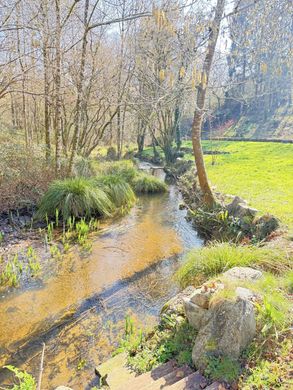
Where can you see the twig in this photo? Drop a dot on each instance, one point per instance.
(41, 368)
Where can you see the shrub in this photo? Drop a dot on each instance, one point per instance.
(209, 261)
(83, 167)
(124, 168)
(147, 184)
(24, 175)
(77, 197)
(118, 190)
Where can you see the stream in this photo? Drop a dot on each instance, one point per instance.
(79, 311)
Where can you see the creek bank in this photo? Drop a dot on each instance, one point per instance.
(219, 329)
(230, 219)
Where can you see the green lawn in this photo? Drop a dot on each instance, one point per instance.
(261, 173)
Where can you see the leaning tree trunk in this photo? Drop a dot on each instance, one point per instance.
(208, 197)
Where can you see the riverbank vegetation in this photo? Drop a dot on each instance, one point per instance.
(266, 362)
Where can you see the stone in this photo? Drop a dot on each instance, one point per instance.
(175, 305)
(196, 315)
(246, 294)
(115, 371)
(201, 296)
(243, 273)
(239, 208)
(231, 326)
(266, 225)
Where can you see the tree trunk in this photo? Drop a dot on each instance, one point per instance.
(78, 106)
(58, 122)
(44, 10)
(208, 197)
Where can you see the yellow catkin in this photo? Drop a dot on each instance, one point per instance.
(182, 72)
(263, 67)
(162, 75)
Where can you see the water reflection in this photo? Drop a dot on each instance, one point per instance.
(129, 270)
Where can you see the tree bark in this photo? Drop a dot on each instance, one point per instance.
(78, 107)
(208, 196)
(58, 121)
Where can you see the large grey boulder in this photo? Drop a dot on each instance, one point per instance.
(239, 208)
(231, 326)
(243, 273)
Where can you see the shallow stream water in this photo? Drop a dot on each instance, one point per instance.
(79, 310)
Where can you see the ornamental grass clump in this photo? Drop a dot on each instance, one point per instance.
(147, 184)
(118, 190)
(125, 169)
(75, 197)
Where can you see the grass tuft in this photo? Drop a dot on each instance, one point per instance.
(118, 190)
(147, 184)
(74, 198)
(202, 264)
(125, 169)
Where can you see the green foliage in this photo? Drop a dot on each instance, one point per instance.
(219, 225)
(123, 168)
(266, 375)
(164, 343)
(202, 264)
(83, 167)
(74, 198)
(15, 267)
(118, 190)
(147, 184)
(25, 380)
(222, 368)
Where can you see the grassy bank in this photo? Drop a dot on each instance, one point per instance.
(259, 172)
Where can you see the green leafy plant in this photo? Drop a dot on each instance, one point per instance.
(147, 184)
(266, 375)
(25, 380)
(222, 368)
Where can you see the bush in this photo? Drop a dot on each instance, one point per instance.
(77, 197)
(24, 175)
(209, 261)
(118, 190)
(124, 168)
(147, 184)
(83, 167)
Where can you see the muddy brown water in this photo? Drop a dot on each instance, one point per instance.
(79, 311)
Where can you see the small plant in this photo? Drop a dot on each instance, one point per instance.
(81, 364)
(11, 274)
(222, 368)
(266, 375)
(25, 380)
(1, 237)
(147, 184)
(82, 230)
(55, 252)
